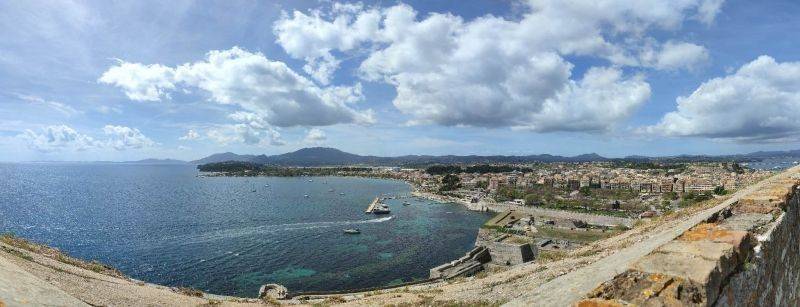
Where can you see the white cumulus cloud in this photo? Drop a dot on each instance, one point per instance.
(141, 82)
(190, 135)
(122, 138)
(496, 72)
(251, 129)
(756, 103)
(58, 137)
(675, 55)
(315, 136)
(249, 80)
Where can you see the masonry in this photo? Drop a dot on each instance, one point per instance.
(745, 254)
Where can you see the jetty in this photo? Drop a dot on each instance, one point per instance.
(374, 204)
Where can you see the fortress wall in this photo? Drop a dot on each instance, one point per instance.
(748, 254)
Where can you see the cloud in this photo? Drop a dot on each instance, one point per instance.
(601, 97)
(55, 105)
(190, 135)
(251, 129)
(58, 137)
(122, 138)
(757, 103)
(106, 109)
(315, 136)
(141, 82)
(312, 38)
(497, 72)
(249, 80)
(675, 55)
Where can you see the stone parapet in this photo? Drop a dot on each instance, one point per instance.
(745, 255)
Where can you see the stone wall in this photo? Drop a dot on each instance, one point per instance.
(504, 252)
(747, 254)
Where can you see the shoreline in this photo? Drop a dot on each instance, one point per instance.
(491, 206)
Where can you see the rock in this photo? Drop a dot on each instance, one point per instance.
(274, 291)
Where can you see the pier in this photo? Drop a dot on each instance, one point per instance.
(372, 205)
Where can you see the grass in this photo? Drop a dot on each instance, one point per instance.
(17, 253)
(574, 235)
(190, 291)
(551, 256)
(55, 254)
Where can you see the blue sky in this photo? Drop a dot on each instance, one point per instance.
(103, 80)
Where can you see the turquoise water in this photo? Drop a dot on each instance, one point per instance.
(162, 224)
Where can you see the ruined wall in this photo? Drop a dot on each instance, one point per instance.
(748, 254)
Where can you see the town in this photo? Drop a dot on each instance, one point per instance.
(542, 209)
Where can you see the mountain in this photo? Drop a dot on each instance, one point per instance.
(222, 157)
(313, 156)
(322, 156)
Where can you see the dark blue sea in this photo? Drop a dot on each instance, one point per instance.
(225, 235)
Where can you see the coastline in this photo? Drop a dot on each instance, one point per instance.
(491, 206)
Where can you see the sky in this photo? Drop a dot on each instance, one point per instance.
(128, 80)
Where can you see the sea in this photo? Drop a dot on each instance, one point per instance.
(774, 164)
(164, 224)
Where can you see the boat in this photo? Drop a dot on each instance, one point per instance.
(331, 190)
(405, 203)
(306, 196)
(311, 180)
(352, 231)
(341, 193)
(381, 209)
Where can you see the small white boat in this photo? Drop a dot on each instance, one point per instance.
(310, 180)
(341, 193)
(331, 190)
(266, 185)
(306, 196)
(405, 203)
(352, 231)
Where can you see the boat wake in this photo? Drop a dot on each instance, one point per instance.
(267, 229)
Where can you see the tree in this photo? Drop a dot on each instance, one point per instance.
(450, 182)
(585, 191)
(532, 200)
(720, 190)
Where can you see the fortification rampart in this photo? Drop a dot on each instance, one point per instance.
(746, 254)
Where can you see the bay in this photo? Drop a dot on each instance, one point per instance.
(229, 235)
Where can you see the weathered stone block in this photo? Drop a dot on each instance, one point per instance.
(597, 302)
(746, 221)
(714, 233)
(637, 288)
